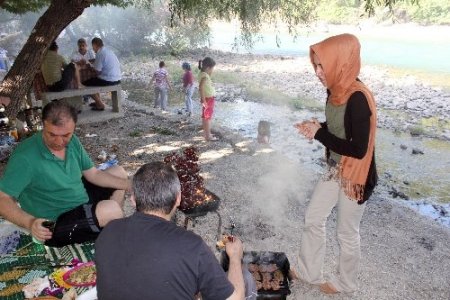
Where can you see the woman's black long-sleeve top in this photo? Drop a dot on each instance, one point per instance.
(357, 128)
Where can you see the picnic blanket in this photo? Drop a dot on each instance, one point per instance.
(22, 260)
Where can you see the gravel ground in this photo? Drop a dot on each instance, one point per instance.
(404, 255)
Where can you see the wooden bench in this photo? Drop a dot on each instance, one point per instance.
(116, 94)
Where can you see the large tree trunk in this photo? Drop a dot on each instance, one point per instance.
(20, 77)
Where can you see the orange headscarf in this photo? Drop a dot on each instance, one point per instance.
(341, 62)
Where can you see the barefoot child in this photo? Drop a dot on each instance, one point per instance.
(207, 93)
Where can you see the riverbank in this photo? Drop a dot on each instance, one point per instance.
(405, 103)
(404, 255)
(287, 91)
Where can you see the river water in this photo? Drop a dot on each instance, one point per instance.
(415, 48)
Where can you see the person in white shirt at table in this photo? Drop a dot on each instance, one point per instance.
(83, 56)
(107, 67)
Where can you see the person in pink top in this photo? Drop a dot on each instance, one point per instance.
(161, 85)
(188, 87)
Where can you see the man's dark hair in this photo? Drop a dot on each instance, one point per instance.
(162, 64)
(53, 46)
(81, 41)
(57, 112)
(155, 187)
(97, 41)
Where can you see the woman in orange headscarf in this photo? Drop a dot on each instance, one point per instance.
(349, 137)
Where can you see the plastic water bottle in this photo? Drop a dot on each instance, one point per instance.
(107, 164)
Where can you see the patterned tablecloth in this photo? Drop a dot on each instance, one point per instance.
(26, 260)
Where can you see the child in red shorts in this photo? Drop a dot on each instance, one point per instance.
(207, 94)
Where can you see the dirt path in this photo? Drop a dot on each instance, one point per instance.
(404, 255)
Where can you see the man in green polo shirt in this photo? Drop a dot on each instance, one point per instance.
(51, 177)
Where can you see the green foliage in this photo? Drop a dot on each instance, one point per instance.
(429, 12)
(251, 14)
(424, 12)
(123, 29)
(338, 11)
(181, 35)
(24, 6)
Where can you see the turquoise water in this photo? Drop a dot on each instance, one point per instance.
(417, 53)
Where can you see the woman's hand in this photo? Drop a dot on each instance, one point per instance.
(308, 128)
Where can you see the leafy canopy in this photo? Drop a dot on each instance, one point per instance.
(24, 6)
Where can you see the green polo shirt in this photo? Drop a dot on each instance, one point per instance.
(45, 185)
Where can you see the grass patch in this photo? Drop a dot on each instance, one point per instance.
(416, 130)
(435, 122)
(418, 189)
(162, 130)
(259, 93)
(227, 77)
(267, 95)
(433, 79)
(310, 104)
(135, 133)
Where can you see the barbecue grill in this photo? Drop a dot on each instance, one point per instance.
(202, 209)
(266, 259)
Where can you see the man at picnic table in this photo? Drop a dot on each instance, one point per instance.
(83, 56)
(57, 73)
(50, 177)
(107, 68)
(146, 256)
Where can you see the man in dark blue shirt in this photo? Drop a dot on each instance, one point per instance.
(146, 256)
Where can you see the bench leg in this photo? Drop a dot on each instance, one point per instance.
(115, 98)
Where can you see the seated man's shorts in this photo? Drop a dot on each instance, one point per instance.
(207, 112)
(66, 78)
(95, 81)
(80, 224)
